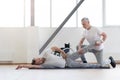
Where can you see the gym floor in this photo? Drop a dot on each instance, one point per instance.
(8, 72)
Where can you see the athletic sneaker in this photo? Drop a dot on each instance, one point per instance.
(113, 63)
(84, 61)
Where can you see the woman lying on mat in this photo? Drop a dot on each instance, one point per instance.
(49, 60)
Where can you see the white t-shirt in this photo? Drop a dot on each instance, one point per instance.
(92, 35)
(52, 60)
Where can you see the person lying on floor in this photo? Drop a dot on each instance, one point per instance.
(47, 60)
(50, 61)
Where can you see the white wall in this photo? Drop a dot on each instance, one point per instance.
(20, 45)
(112, 45)
(32, 43)
(13, 44)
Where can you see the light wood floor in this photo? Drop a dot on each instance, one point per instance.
(8, 72)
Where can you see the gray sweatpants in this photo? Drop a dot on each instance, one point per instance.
(70, 61)
(98, 53)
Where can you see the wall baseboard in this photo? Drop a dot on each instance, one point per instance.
(6, 62)
(13, 63)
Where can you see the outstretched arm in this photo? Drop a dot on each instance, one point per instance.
(28, 66)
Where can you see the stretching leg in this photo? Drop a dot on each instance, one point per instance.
(99, 56)
(82, 56)
(70, 60)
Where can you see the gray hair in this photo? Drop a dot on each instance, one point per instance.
(85, 18)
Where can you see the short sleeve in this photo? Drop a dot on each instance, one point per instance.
(99, 31)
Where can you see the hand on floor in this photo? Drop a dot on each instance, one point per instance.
(19, 67)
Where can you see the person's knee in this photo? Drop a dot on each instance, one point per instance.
(81, 51)
(77, 47)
